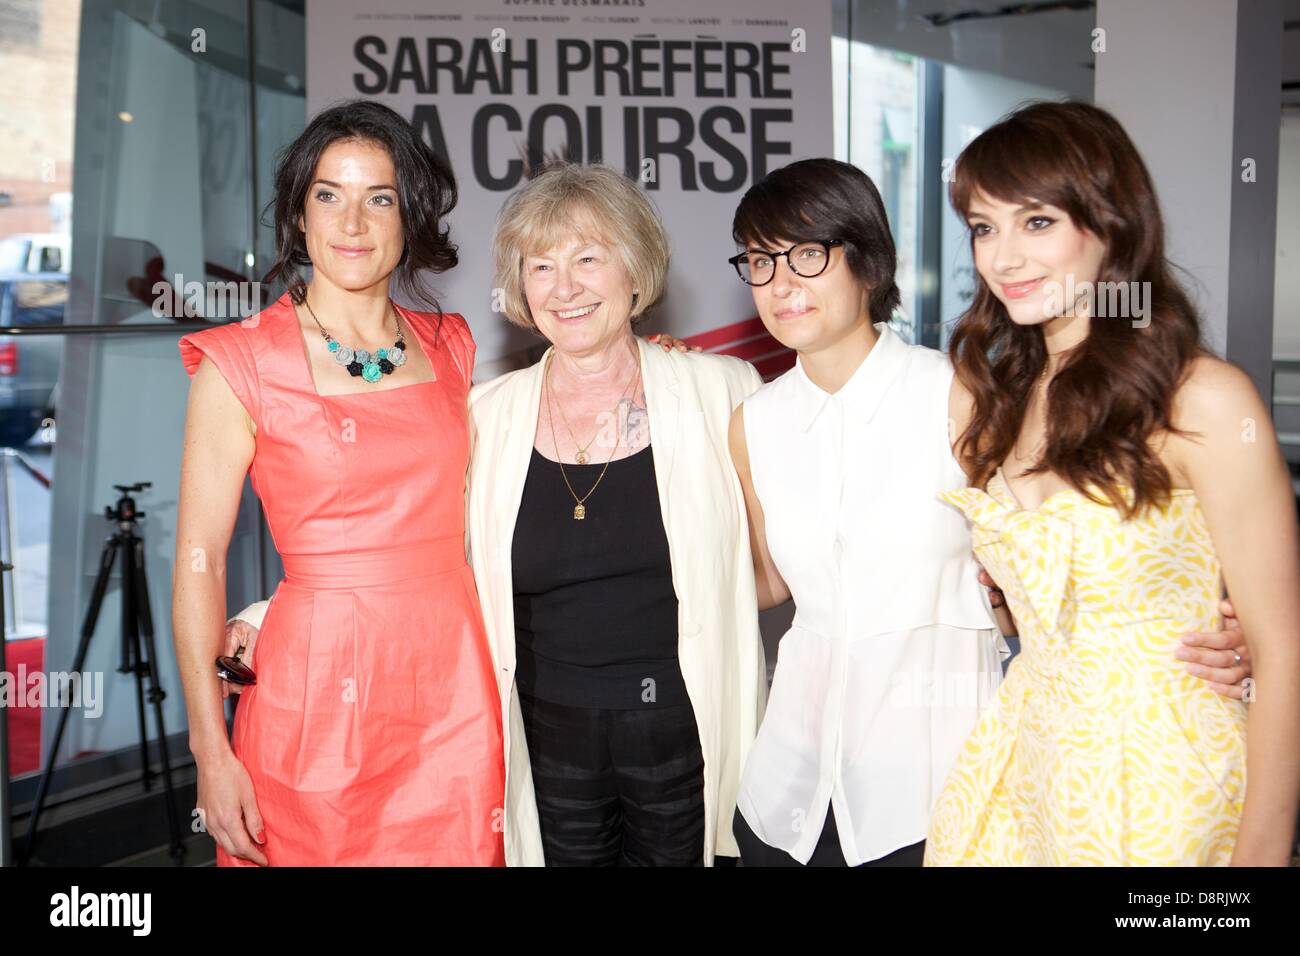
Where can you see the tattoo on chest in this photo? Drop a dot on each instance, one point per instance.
(636, 423)
(625, 427)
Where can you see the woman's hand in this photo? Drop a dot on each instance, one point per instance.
(996, 597)
(238, 634)
(998, 601)
(1220, 658)
(669, 343)
(228, 807)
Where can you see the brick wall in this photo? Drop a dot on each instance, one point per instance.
(38, 77)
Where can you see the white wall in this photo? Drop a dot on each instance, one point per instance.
(1196, 84)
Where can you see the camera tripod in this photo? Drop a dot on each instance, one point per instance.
(137, 622)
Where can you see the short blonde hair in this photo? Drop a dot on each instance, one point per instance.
(594, 202)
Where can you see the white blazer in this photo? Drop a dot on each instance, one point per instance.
(689, 398)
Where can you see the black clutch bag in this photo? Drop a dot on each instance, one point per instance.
(234, 670)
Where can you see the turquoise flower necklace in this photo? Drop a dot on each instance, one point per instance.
(360, 361)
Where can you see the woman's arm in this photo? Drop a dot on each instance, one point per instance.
(772, 589)
(1242, 484)
(961, 405)
(253, 616)
(218, 449)
(1221, 659)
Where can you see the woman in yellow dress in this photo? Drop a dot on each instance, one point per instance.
(1121, 473)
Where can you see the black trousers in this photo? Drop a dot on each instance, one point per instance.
(617, 787)
(754, 852)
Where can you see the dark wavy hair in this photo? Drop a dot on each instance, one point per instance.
(1114, 392)
(825, 199)
(426, 194)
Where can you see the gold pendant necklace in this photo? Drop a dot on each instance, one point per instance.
(579, 507)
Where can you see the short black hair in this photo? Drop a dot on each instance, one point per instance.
(426, 194)
(825, 199)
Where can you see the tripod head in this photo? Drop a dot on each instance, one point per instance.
(124, 510)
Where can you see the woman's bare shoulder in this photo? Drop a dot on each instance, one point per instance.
(1215, 409)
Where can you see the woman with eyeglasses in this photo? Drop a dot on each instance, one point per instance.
(894, 650)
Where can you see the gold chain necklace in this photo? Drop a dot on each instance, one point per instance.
(1041, 387)
(580, 506)
(581, 456)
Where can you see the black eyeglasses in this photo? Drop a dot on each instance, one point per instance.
(806, 259)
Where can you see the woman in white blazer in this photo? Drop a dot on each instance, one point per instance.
(568, 550)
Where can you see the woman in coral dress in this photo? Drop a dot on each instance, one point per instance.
(1121, 474)
(373, 734)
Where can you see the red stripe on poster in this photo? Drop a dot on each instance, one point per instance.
(727, 334)
(754, 349)
(770, 368)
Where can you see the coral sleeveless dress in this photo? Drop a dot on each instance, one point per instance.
(1099, 748)
(373, 734)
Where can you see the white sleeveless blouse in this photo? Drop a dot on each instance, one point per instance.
(894, 650)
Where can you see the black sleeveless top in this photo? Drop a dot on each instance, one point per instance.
(595, 609)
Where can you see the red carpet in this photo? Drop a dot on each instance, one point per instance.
(24, 722)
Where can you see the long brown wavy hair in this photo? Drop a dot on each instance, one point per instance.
(1114, 392)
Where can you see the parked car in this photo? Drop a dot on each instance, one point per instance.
(29, 364)
(35, 252)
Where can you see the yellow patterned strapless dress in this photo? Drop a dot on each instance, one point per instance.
(1099, 748)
